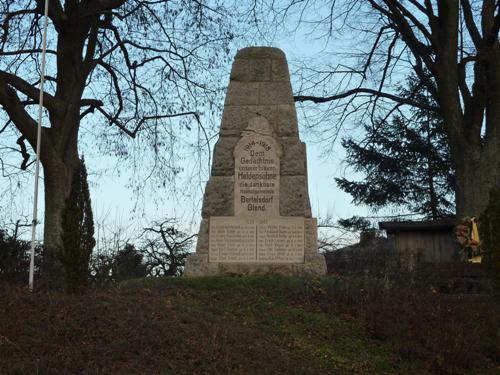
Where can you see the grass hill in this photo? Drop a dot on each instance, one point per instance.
(247, 325)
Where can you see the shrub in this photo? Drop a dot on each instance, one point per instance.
(14, 258)
(78, 232)
(128, 264)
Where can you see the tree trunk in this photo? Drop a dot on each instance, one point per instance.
(59, 158)
(476, 156)
(57, 183)
(477, 172)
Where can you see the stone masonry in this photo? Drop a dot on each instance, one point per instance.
(256, 214)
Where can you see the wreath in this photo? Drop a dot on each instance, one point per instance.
(468, 237)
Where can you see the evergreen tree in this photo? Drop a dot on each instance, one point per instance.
(405, 162)
(78, 232)
(129, 264)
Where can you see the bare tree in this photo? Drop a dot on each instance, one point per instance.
(166, 248)
(452, 46)
(115, 68)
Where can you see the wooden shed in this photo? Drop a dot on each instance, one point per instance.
(423, 241)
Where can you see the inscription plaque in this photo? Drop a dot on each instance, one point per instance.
(256, 176)
(248, 240)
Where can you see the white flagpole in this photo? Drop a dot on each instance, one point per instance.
(38, 141)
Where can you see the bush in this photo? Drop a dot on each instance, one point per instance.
(115, 266)
(78, 232)
(14, 259)
(128, 264)
(101, 266)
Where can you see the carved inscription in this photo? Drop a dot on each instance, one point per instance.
(245, 240)
(256, 176)
(281, 241)
(232, 242)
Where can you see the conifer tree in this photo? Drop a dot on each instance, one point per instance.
(405, 162)
(129, 264)
(78, 232)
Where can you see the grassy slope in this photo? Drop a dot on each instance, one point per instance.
(254, 325)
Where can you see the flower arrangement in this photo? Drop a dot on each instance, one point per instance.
(468, 237)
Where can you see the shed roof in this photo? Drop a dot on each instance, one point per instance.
(441, 225)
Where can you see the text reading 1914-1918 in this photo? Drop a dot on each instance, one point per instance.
(257, 178)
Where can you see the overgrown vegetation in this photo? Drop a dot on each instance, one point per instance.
(161, 251)
(14, 258)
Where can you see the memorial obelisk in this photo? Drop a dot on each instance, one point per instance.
(256, 215)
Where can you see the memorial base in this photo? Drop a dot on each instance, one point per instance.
(248, 246)
(198, 265)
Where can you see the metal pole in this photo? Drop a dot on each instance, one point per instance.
(38, 141)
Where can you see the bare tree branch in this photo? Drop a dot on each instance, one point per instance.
(29, 90)
(24, 153)
(371, 92)
(470, 23)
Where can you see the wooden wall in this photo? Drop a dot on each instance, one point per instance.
(424, 246)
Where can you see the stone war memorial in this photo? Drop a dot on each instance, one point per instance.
(256, 215)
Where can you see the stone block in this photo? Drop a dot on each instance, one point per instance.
(279, 71)
(251, 70)
(275, 93)
(235, 118)
(311, 236)
(256, 269)
(218, 199)
(294, 197)
(314, 264)
(293, 161)
(202, 242)
(242, 93)
(197, 265)
(223, 162)
(260, 53)
(282, 118)
(286, 120)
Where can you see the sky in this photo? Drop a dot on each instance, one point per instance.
(114, 204)
(119, 216)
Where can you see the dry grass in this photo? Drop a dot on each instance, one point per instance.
(255, 325)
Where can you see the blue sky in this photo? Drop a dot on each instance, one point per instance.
(117, 208)
(114, 203)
